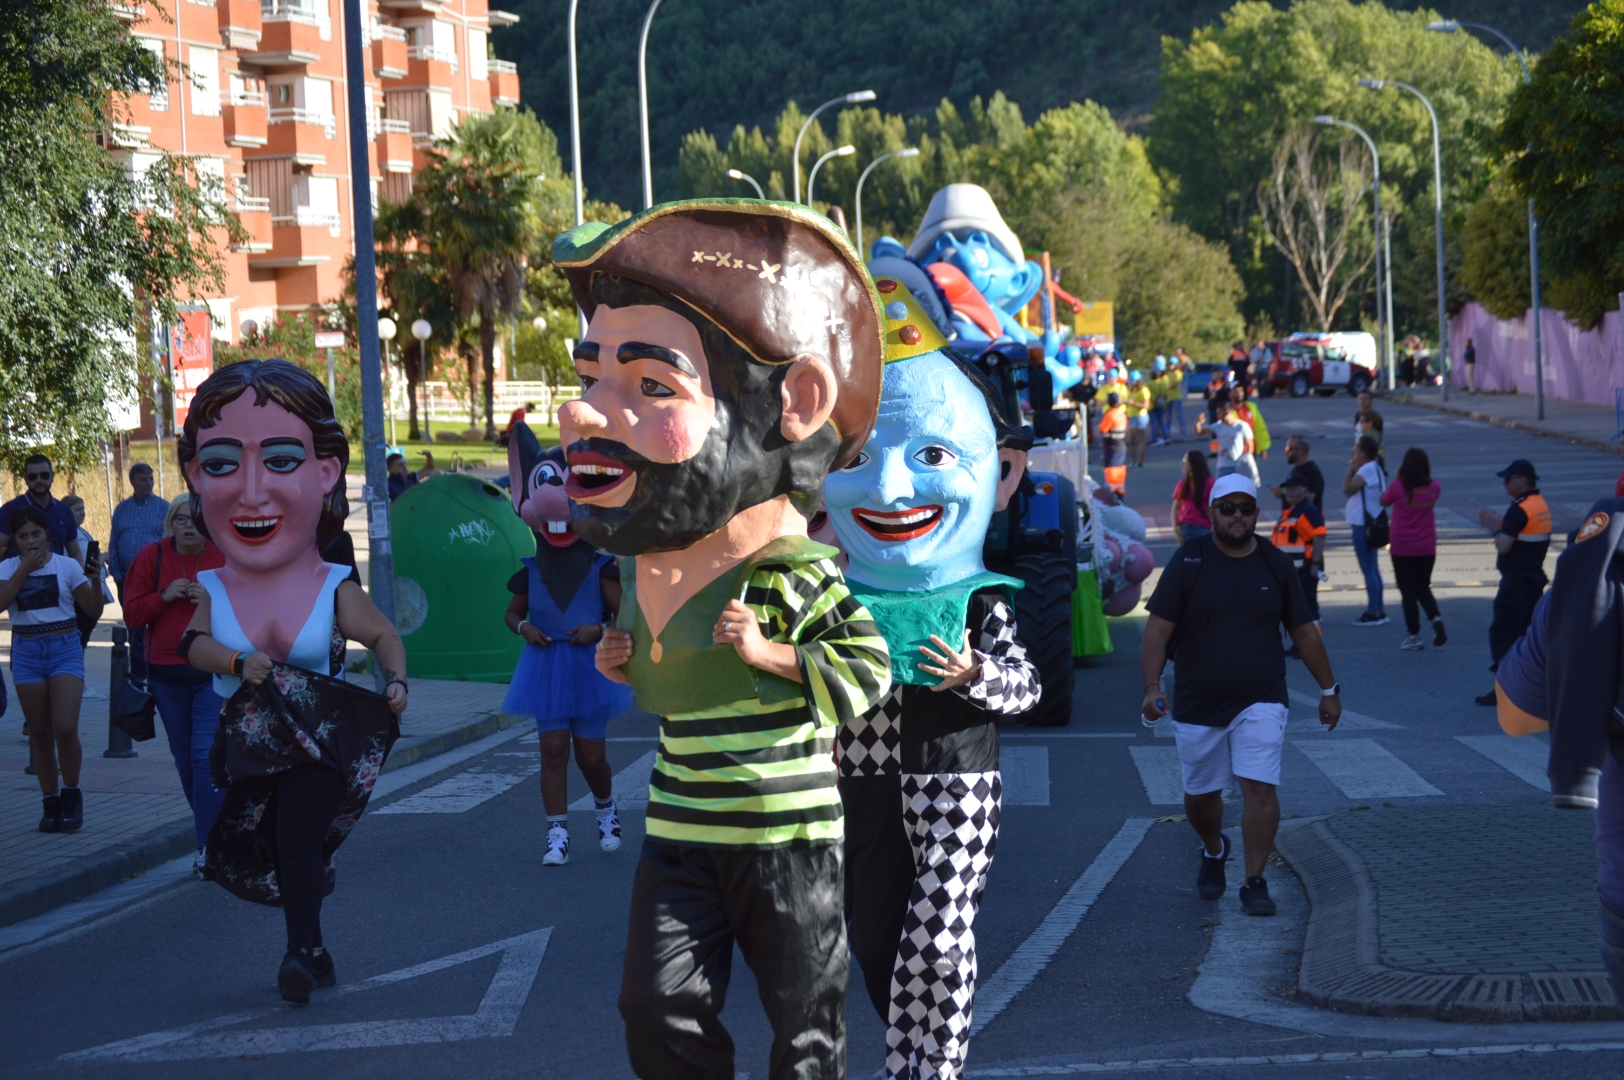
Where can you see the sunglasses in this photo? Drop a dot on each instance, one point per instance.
(1229, 509)
(37, 476)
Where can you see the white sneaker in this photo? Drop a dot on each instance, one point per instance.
(608, 828)
(558, 847)
(1412, 642)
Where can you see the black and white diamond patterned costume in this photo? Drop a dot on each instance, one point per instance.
(920, 782)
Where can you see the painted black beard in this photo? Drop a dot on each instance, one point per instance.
(673, 506)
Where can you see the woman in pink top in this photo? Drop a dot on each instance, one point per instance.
(1190, 518)
(1414, 545)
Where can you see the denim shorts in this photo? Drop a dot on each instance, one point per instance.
(35, 659)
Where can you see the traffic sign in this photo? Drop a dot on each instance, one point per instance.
(330, 339)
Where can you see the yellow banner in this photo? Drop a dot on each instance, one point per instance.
(1095, 320)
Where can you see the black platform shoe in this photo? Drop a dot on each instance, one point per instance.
(73, 809)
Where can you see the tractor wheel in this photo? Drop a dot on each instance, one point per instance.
(1043, 621)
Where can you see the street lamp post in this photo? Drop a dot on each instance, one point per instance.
(386, 334)
(381, 561)
(839, 151)
(575, 140)
(1384, 317)
(1437, 214)
(905, 152)
(856, 97)
(421, 330)
(1450, 26)
(748, 179)
(642, 104)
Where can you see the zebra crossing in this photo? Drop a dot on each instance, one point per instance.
(1361, 769)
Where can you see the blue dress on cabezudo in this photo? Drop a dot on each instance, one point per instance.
(558, 685)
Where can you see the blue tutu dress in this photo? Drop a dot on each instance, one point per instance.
(557, 685)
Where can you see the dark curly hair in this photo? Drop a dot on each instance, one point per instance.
(297, 391)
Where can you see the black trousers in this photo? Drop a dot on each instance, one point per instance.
(879, 877)
(1514, 609)
(307, 801)
(783, 907)
(1413, 574)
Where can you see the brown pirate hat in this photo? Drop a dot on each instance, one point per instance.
(780, 279)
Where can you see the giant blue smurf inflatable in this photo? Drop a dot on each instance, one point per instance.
(975, 263)
(919, 772)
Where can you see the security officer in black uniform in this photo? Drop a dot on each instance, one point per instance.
(1522, 536)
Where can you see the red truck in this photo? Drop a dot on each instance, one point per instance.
(1321, 363)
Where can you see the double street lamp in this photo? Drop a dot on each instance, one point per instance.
(906, 152)
(856, 97)
(1451, 26)
(1384, 300)
(1437, 213)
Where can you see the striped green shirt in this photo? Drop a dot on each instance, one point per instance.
(761, 773)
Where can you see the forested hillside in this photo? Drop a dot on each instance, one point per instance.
(717, 63)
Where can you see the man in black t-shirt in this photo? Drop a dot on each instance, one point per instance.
(1301, 460)
(1216, 613)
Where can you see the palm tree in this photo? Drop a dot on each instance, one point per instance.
(480, 199)
(418, 288)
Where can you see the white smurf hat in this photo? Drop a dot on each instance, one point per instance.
(965, 206)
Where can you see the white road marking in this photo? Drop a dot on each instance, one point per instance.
(1364, 769)
(631, 786)
(1025, 771)
(1451, 519)
(1351, 721)
(1328, 1057)
(463, 792)
(1524, 758)
(73, 920)
(1034, 954)
(1161, 773)
(496, 1017)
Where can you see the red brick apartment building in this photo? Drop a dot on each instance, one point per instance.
(266, 107)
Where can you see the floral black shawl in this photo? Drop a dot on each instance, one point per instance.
(295, 717)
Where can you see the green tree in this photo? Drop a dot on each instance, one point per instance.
(1231, 91)
(1562, 144)
(292, 337)
(90, 239)
(1495, 244)
(481, 202)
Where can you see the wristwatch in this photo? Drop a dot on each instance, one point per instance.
(1334, 691)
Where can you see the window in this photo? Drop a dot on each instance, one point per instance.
(477, 54)
(204, 69)
(284, 95)
(157, 95)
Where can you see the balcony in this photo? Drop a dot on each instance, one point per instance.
(297, 240)
(245, 120)
(291, 37)
(304, 136)
(394, 138)
(255, 215)
(389, 52)
(240, 24)
(504, 79)
(126, 12)
(430, 65)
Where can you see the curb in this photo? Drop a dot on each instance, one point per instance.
(1341, 967)
(1500, 421)
(39, 893)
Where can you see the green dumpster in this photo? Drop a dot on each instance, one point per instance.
(457, 541)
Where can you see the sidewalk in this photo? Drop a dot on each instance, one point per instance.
(1574, 421)
(135, 815)
(1430, 912)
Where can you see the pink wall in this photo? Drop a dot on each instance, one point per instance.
(1584, 365)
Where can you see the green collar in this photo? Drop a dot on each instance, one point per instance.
(908, 619)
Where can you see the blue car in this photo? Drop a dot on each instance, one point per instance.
(1197, 381)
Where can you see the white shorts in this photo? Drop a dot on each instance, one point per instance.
(1249, 748)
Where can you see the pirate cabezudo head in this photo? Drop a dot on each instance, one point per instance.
(734, 355)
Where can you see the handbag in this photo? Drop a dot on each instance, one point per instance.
(132, 706)
(1378, 529)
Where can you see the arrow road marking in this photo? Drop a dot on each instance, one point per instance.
(496, 1017)
(1034, 954)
